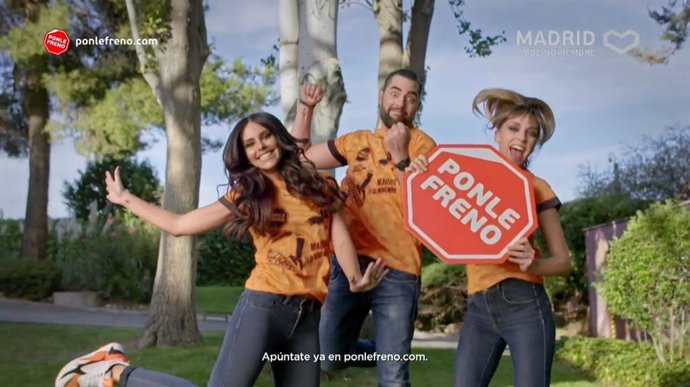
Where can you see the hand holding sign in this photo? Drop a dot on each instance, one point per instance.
(522, 253)
(419, 164)
(470, 205)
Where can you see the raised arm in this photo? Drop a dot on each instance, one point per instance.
(194, 222)
(310, 95)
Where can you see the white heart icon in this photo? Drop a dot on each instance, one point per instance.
(620, 36)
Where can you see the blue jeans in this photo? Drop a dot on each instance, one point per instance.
(513, 312)
(262, 324)
(394, 307)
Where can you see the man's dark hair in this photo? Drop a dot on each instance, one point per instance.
(405, 73)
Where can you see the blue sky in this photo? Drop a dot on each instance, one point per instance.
(602, 100)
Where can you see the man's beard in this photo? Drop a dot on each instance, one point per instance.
(388, 121)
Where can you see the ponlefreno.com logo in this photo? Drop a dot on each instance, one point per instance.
(56, 41)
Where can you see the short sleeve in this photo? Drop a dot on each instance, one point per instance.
(544, 196)
(338, 148)
(421, 144)
(228, 200)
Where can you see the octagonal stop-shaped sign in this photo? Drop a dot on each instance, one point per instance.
(470, 205)
(56, 41)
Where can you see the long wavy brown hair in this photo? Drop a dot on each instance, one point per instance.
(254, 193)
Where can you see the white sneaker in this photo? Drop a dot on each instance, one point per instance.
(93, 369)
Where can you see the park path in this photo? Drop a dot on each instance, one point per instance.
(21, 311)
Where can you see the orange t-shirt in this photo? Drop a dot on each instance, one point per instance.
(484, 276)
(373, 209)
(294, 261)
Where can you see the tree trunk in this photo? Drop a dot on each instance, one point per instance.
(36, 107)
(172, 314)
(318, 62)
(289, 40)
(389, 17)
(418, 37)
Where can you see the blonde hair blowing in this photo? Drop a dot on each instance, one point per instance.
(499, 105)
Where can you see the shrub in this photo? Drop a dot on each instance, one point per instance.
(23, 278)
(647, 278)
(443, 298)
(622, 363)
(10, 238)
(441, 273)
(118, 259)
(428, 257)
(223, 261)
(575, 216)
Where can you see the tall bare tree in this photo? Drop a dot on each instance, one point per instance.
(390, 15)
(173, 70)
(308, 50)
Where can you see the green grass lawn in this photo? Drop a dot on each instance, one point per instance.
(33, 354)
(217, 299)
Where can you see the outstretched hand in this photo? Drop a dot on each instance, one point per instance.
(310, 94)
(371, 278)
(113, 183)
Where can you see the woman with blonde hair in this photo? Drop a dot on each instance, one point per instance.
(507, 303)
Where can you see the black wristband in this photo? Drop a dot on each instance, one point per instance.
(402, 164)
(302, 140)
(306, 104)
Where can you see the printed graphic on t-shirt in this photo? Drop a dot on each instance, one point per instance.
(360, 180)
(373, 209)
(362, 154)
(315, 219)
(296, 262)
(288, 250)
(292, 258)
(356, 192)
(278, 218)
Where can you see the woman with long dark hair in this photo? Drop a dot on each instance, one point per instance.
(293, 215)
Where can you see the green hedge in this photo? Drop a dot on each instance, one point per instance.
(621, 363)
(440, 273)
(576, 215)
(33, 280)
(223, 261)
(10, 238)
(118, 259)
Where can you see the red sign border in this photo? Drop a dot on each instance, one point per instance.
(473, 258)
